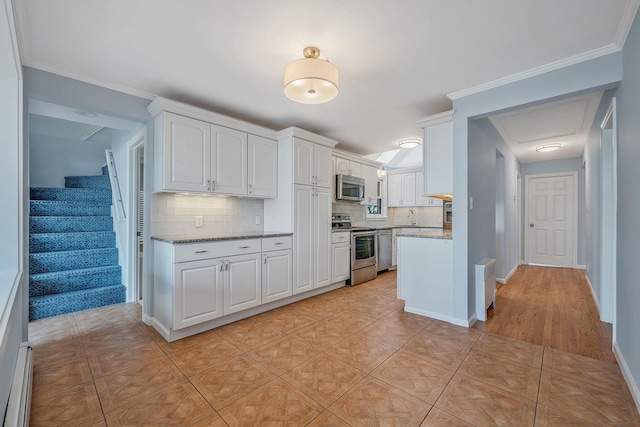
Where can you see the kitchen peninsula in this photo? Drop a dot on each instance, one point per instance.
(425, 272)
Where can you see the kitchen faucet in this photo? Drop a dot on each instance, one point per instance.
(413, 220)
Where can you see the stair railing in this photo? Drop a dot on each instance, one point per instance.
(115, 187)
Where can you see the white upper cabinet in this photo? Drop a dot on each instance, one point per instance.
(348, 167)
(421, 199)
(312, 164)
(401, 189)
(199, 151)
(186, 148)
(370, 175)
(262, 166)
(228, 161)
(438, 154)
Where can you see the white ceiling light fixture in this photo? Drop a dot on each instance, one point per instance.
(546, 148)
(409, 143)
(311, 80)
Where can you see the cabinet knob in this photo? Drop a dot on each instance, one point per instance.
(213, 185)
(250, 188)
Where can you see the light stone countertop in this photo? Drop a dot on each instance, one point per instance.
(434, 233)
(218, 237)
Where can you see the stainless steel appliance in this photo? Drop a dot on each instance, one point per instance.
(349, 188)
(363, 255)
(447, 215)
(384, 250)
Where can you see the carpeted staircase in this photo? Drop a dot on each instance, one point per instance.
(73, 259)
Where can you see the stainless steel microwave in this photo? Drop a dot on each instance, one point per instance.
(349, 188)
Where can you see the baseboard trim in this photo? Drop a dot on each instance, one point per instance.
(626, 373)
(504, 281)
(437, 316)
(593, 295)
(581, 267)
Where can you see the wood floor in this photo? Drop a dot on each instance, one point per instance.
(551, 307)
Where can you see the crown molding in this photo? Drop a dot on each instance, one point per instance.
(436, 119)
(295, 132)
(533, 72)
(627, 21)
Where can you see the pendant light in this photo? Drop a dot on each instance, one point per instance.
(310, 80)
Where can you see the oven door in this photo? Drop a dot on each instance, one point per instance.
(363, 249)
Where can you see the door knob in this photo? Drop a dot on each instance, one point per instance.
(530, 225)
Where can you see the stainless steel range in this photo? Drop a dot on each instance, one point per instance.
(363, 249)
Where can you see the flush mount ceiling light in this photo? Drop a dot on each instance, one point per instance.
(409, 143)
(311, 80)
(548, 147)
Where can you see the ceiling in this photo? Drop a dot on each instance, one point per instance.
(398, 61)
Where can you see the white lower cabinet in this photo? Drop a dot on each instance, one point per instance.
(198, 292)
(340, 256)
(277, 277)
(241, 283)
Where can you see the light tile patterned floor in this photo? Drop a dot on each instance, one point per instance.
(319, 362)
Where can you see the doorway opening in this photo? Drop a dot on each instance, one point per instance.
(136, 228)
(501, 261)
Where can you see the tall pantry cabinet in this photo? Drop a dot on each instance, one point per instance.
(304, 205)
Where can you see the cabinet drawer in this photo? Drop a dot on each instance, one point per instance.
(341, 237)
(277, 243)
(226, 248)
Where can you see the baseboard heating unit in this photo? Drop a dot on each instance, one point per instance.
(485, 287)
(20, 395)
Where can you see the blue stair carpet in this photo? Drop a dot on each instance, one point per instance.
(73, 259)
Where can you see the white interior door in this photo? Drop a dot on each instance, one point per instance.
(551, 219)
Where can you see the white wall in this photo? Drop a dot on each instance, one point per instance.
(51, 159)
(486, 166)
(469, 232)
(13, 317)
(628, 239)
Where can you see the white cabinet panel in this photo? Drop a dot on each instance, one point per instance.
(421, 198)
(277, 275)
(197, 292)
(303, 238)
(322, 237)
(370, 175)
(438, 158)
(186, 149)
(322, 166)
(242, 283)
(228, 160)
(340, 261)
(262, 166)
(348, 167)
(303, 162)
(401, 189)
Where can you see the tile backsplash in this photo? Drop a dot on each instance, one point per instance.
(174, 214)
(423, 216)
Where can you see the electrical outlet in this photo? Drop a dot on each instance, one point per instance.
(199, 221)
(258, 219)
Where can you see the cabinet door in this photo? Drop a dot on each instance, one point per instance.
(322, 166)
(277, 275)
(421, 199)
(348, 167)
(394, 190)
(262, 166)
(186, 153)
(242, 286)
(408, 189)
(322, 237)
(302, 162)
(197, 292)
(438, 159)
(340, 262)
(228, 160)
(370, 175)
(303, 239)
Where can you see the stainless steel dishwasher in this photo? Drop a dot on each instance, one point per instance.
(384, 249)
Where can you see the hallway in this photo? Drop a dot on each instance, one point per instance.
(551, 307)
